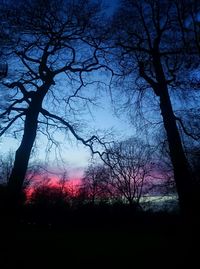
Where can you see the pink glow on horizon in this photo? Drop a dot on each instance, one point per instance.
(54, 181)
(71, 184)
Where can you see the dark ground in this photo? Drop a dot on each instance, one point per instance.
(100, 237)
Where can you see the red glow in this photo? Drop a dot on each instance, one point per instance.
(70, 185)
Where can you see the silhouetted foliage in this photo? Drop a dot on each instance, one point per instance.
(49, 197)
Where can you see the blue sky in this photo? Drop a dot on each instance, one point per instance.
(74, 155)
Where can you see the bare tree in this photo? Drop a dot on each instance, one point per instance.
(63, 179)
(6, 164)
(95, 183)
(129, 163)
(56, 48)
(149, 36)
(188, 19)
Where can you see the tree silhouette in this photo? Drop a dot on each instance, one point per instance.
(57, 41)
(153, 51)
(187, 12)
(6, 164)
(95, 183)
(129, 165)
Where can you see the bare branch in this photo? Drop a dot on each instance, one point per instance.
(89, 142)
(20, 86)
(11, 123)
(11, 107)
(197, 138)
(143, 74)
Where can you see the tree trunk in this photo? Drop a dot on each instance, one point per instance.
(182, 173)
(16, 180)
(180, 164)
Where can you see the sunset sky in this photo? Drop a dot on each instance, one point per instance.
(99, 118)
(75, 156)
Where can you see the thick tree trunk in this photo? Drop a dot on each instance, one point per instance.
(182, 173)
(180, 164)
(16, 180)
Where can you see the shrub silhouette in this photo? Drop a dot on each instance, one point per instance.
(49, 197)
